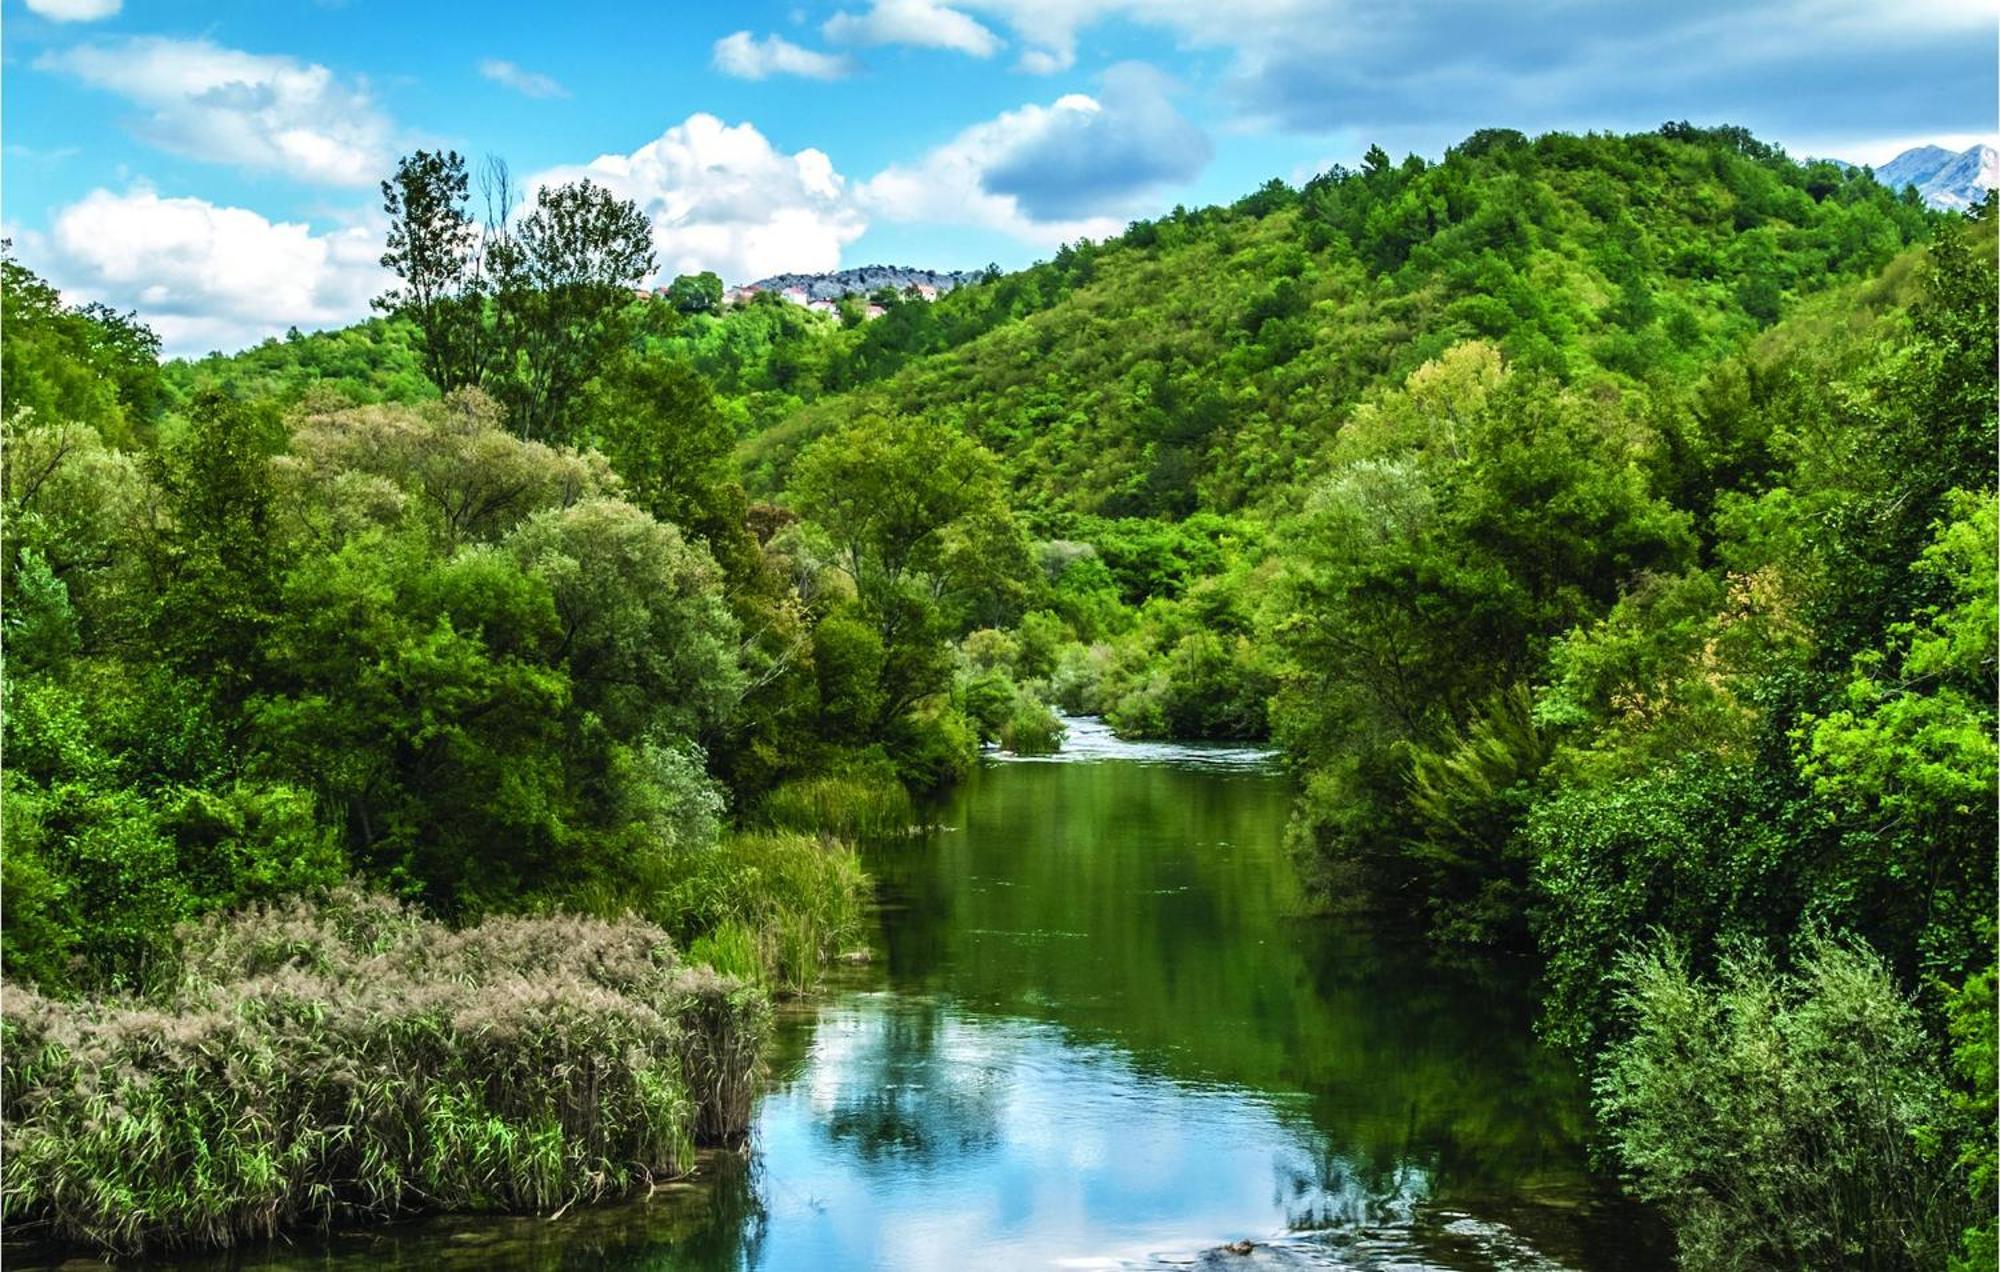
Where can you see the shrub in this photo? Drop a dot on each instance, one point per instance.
(1684, 849)
(934, 748)
(311, 1064)
(1783, 1120)
(1976, 1055)
(1032, 729)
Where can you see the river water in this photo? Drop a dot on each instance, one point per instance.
(1099, 1031)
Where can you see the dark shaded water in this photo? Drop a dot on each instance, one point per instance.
(1097, 1034)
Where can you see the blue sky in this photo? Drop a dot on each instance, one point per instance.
(214, 165)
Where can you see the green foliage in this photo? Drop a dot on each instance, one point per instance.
(1470, 519)
(1975, 1037)
(87, 366)
(696, 293)
(1603, 524)
(1681, 850)
(1782, 1120)
(563, 276)
(530, 306)
(730, 949)
(433, 247)
(918, 527)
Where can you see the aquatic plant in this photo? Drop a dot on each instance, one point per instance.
(785, 903)
(850, 805)
(351, 1059)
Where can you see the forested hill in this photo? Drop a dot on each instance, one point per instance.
(1202, 360)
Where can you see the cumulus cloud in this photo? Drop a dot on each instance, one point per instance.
(75, 10)
(916, 22)
(724, 198)
(203, 276)
(746, 57)
(525, 82)
(1078, 167)
(259, 111)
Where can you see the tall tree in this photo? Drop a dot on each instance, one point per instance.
(697, 293)
(434, 248)
(917, 515)
(563, 276)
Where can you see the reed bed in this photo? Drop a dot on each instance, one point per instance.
(351, 1059)
(772, 906)
(851, 806)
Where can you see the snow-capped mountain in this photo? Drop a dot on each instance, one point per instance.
(1944, 179)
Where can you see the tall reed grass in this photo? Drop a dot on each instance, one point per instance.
(351, 1059)
(772, 904)
(850, 805)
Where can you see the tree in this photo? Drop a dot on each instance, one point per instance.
(658, 420)
(221, 584)
(696, 293)
(88, 365)
(433, 246)
(449, 466)
(643, 630)
(563, 280)
(918, 521)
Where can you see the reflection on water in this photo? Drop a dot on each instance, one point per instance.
(1098, 1033)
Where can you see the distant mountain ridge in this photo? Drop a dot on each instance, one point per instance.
(862, 280)
(1949, 180)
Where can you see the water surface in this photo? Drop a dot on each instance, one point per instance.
(1098, 1031)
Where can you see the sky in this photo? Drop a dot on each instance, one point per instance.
(216, 166)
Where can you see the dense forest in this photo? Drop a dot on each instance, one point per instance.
(1603, 526)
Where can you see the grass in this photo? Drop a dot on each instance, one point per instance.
(322, 1063)
(775, 906)
(851, 806)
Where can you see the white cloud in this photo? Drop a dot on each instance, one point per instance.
(207, 277)
(1079, 167)
(74, 10)
(723, 198)
(917, 22)
(255, 110)
(746, 57)
(525, 82)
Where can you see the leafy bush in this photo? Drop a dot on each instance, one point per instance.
(1975, 1035)
(1031, 728)
(1783, 1120)
(1680, 850)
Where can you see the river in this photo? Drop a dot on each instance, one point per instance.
(1099, 1031)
